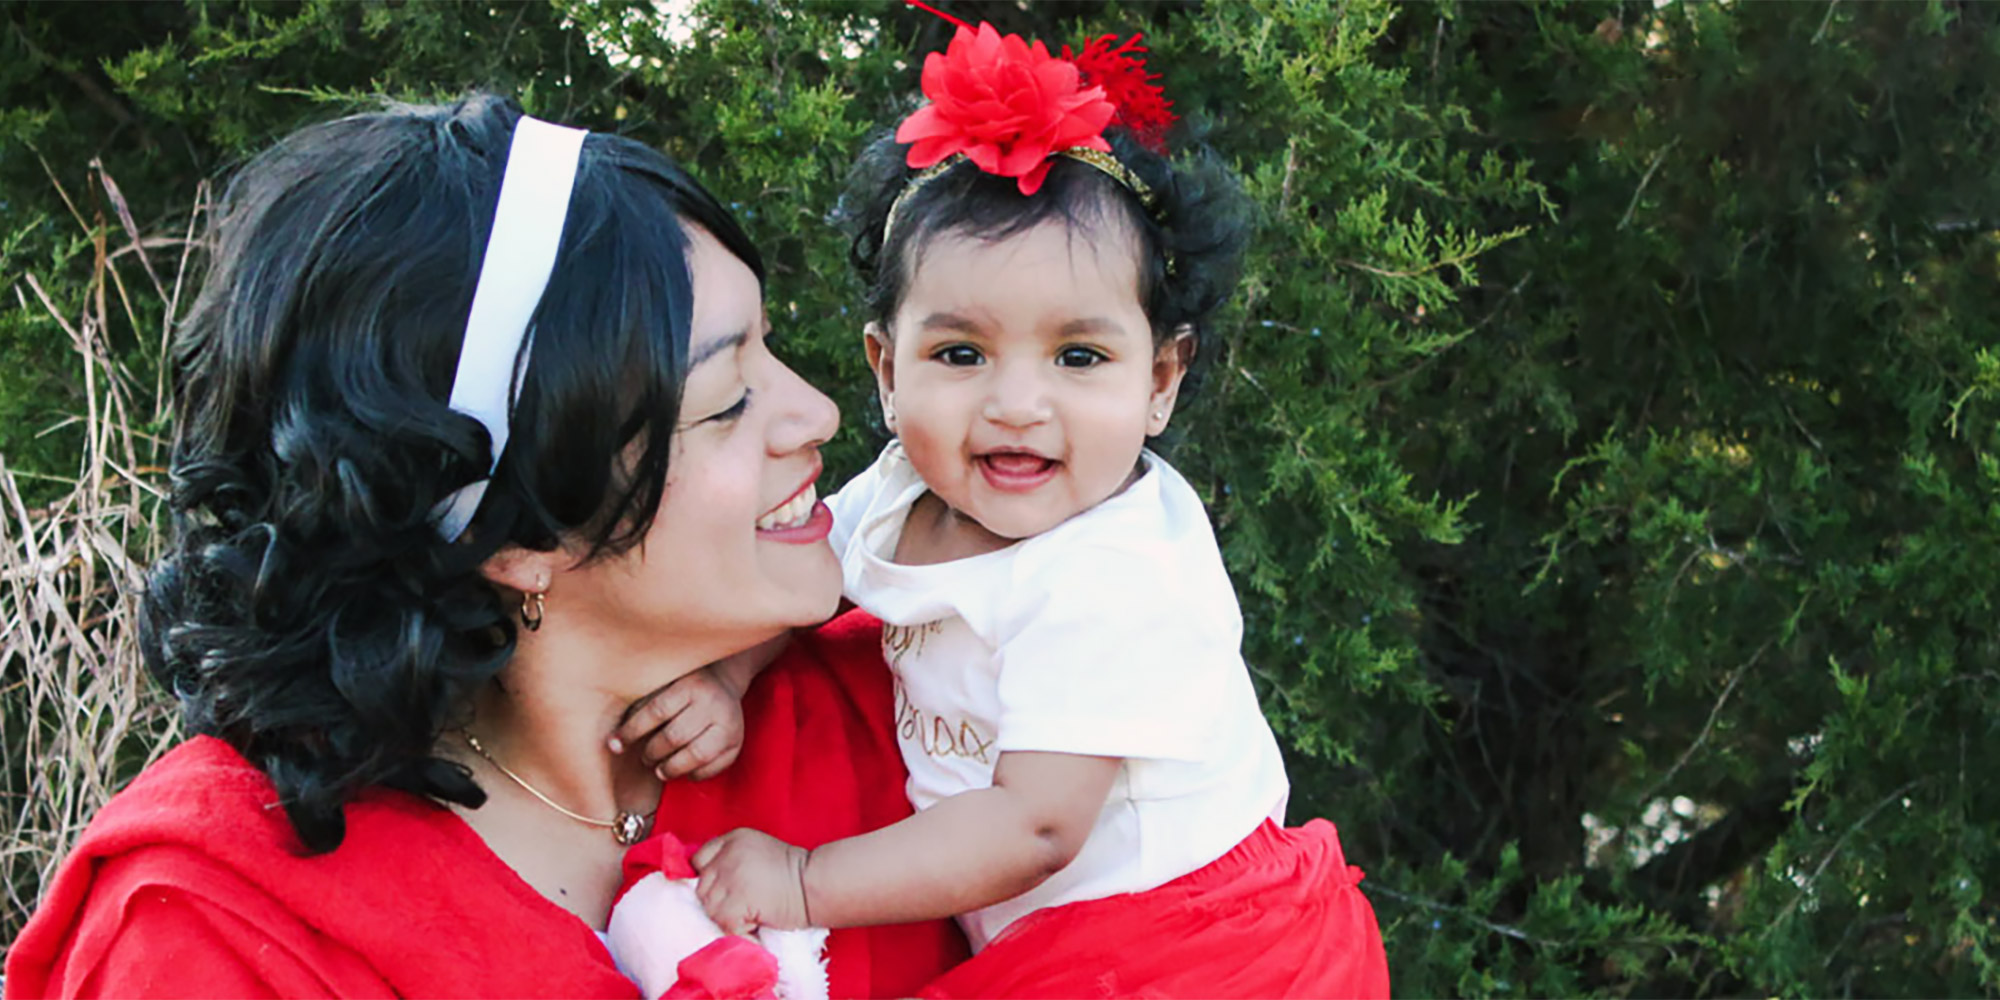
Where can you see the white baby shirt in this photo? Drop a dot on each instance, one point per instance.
(1115, 634)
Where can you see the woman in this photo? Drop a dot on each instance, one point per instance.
(478, 429)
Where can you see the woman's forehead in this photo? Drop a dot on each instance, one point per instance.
(728, 299)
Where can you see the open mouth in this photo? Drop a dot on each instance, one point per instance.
(1016, 471)
(793, 513)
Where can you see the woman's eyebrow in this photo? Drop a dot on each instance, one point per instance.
(717, 346)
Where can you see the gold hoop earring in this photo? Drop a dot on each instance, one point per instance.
(531, 610)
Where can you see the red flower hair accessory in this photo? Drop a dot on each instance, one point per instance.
(1007, 105)
(1142, 106)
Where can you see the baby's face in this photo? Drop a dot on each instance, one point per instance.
(1021, 375)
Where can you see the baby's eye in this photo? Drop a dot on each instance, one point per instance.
(958, 355)
(1079, 357)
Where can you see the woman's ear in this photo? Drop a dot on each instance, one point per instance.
(521, 570)
(1170, 365)
(882, 361)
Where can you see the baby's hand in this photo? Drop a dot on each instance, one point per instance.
(751, 880)
(692, 728)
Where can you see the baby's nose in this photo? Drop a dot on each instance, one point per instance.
(1019, 398)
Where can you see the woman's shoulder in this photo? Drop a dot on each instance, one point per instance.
(203, 828)
(203, 795)
(191, 847)
(202, 806)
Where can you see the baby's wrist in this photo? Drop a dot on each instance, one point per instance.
(804, 862)
(726, 678)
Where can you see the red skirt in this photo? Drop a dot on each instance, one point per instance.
(1280, 915)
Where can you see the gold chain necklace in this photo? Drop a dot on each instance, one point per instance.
(627, 828)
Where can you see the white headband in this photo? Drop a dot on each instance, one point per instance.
(520, 254)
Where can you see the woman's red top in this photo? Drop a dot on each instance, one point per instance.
(191, 882)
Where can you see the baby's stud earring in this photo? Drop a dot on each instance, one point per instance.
(1157, 415)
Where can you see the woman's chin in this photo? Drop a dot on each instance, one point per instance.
(826, 602)
(811, 583)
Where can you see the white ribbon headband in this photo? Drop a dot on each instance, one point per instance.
(520, 254)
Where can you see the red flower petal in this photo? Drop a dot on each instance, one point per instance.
(1032, 182)
(927, 152)
(985, 156)
(936, 68)
(1087, 124)
(1001, 132)
(1014, 48)
(1058, 77)
(983, 46)
(1023, 160)
(927, 123)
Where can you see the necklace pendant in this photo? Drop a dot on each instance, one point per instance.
(628, 829)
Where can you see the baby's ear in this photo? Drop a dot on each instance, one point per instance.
(1170, 364)
(882, 361)
(876, 341)
(1183, 343)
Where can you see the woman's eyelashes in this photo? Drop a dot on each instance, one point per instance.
(765, 340)
(735, 410)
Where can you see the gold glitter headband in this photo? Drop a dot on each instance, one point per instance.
(1101, 160)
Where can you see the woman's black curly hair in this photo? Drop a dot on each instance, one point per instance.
(308, 612)
(1191, 238)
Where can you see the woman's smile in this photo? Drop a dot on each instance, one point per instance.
(801, 520)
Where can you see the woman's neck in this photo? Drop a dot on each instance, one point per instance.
(547, 717)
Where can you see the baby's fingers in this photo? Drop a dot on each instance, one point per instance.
(655, 712)
(704, 749)
(703, 715)
(717, 764)
(731, 918)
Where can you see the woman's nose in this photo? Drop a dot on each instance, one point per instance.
(807, 417)
(1017, 397)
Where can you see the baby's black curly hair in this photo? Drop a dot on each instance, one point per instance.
(308, 612)
(1192, 236)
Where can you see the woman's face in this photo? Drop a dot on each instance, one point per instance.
(737, 551)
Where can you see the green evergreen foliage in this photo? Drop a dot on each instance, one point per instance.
(1605, 444)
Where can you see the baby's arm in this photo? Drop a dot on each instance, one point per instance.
(693, 727)
(968, 851)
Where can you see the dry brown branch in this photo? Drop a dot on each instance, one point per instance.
(78, 716)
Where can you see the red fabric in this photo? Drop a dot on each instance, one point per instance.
(1279, 916)
(663, 853)
(820, 762)
(189, 882)
(729, 968)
